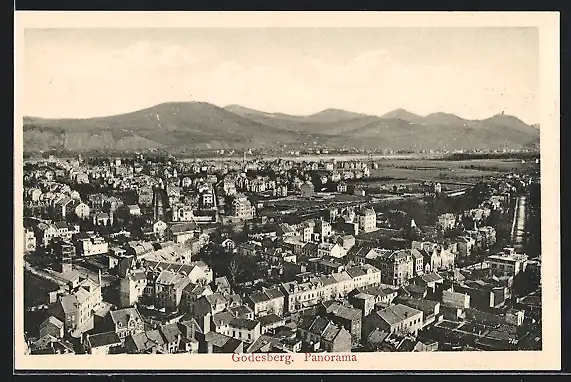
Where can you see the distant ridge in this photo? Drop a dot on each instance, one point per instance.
(193, 125)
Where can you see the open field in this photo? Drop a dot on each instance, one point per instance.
(446, 170)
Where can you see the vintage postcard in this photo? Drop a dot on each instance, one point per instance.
(287, 191)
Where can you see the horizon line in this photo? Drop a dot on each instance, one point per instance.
(279, 112)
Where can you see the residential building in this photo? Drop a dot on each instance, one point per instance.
(322, 333)
(268, 301)
(90, 245)
(397, 318)
(507, 263)
(367, 219)
(169, 287)
(29, 240)
(331, 250)
(76, 309)
(269, 322)
(126, 322)
(52, 327)
(397, 267)
(446, 222)
(131, 288)
(180, 233)
(245, 330)
(242, 208)
(220, 343)
(102, 343)
(347, 317)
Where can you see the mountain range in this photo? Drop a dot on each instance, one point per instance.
(197, 125)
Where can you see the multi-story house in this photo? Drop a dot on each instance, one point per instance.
(418, 262)
(242, 208)
(323, 333)
(367, 219)
(132, 287)
(244, 329)
(182, 213)
(507, 263)
(89, 245)
(76, 309)
(323, 229)
(126, 322)
(169, 286)
(396, 267)
(465, 245)
(268, 301)
(347, 317)
(330, 250)
(397, 318)
(446, 221)
(181, 232)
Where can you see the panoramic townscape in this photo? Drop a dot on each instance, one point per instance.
(192, 228)
(151, 254)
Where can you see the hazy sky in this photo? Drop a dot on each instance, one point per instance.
(472, 72)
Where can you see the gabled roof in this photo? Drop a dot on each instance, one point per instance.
(146, 340)
(416, 253)
(355, 272)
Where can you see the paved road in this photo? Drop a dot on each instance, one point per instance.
(518, 228)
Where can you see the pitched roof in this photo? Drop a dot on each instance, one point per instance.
(226, 343)
(394, 314)
(103, 339)
(426, 306)
(273, 293)
(183, 227)
(146, 340)
(69, 304)
(122, 316)
(344, 311)
(244, 323)
(53, 321)
(270, 319)
(258, 297)
(222, 318)
(331, 332)
(355, 272)
(416, 253)
(431, 277)
(170, 332)
(240, 310)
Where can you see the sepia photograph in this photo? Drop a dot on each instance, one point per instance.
(281, 190)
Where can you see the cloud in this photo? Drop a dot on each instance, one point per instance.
(80, 81)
